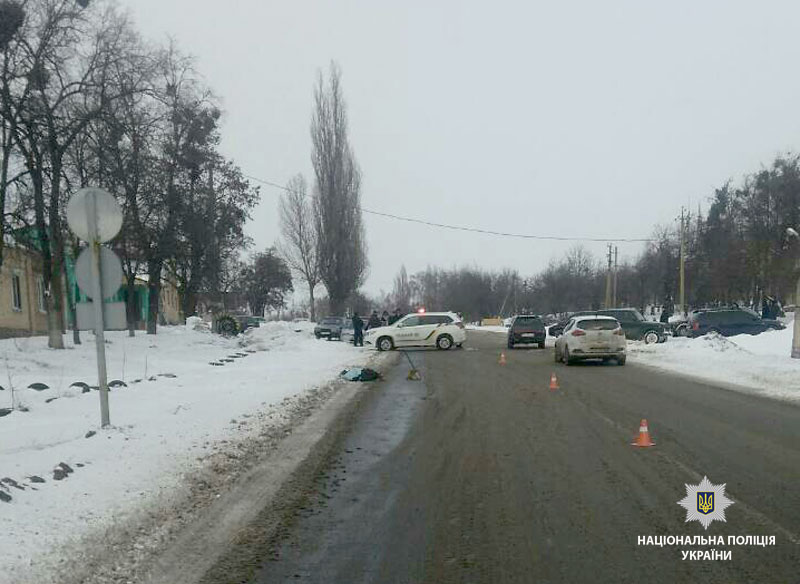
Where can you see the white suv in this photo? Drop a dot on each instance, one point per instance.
(591, 337)
(430, 329)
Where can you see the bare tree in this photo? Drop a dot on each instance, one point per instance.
(337, 197)
(70, 55)
(12, 17)
(401, 294)
(300, 246)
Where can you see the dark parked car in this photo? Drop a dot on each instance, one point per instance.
(526, 329)
(636, 326)
(330, 327)
(246, 321)
(729, 322)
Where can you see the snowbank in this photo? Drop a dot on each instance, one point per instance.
(488, 329)
(754, 364)
(186, 389)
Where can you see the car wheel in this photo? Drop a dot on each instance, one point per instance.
(682, 331)
(385, 344)
(444, 342)
(318, 337)
(567, 359)
(621, 360)
(650, 337)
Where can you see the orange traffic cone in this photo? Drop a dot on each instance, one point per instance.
(502, 358)
(644, 436)
(553, 382)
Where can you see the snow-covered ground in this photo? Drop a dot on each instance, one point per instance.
(176, 408)
(756, 364)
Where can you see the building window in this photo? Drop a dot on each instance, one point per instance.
(16, 292)
(40, 294)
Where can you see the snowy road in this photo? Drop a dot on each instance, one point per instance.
(480, 473)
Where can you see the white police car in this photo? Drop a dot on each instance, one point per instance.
(442, 330)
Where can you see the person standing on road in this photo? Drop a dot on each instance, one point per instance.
(358, 331)
(385, 318)
(666, 312)
(396, 316)
(374, 320)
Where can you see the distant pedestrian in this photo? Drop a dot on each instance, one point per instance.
(396, 316)
(374, 320)
(358, 331)
(385, 318)
(765, 307)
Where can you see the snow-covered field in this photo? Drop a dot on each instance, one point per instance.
(755, 364)
(176, 408)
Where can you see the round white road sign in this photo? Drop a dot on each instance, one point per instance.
(110, 268)
(94, 215)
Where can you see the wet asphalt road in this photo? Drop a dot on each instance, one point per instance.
(479, 473)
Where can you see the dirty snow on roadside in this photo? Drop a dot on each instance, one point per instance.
(184, 391)
(488, 329)
(759, 364)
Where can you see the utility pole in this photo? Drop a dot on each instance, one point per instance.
(616, 251)
(791, 232)
(608, 279)
(683, 261)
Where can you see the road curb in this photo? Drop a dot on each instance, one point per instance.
(203, 544)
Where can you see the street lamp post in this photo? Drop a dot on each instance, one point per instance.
(796, 330)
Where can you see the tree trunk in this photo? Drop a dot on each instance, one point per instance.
(56, 322)
(131, 311)
(76, 333)
(55, 340)
(189, 304)
(313, 311)
(337, 305)
(154, 289)
(55, 314)
(73, 313)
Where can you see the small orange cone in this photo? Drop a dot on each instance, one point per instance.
(502, 358)
(553, 382)
(644, 436)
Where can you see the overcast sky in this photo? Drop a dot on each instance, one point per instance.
(585, 119)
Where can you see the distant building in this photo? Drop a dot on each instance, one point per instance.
(23, 308)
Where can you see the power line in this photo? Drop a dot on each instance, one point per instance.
(472, 229)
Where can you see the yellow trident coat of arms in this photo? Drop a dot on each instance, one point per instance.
(705, 502)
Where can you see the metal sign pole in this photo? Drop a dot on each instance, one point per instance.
(99, 325)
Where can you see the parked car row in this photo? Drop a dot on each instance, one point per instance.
(599, 334)
(727, 321)
(635, 326)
